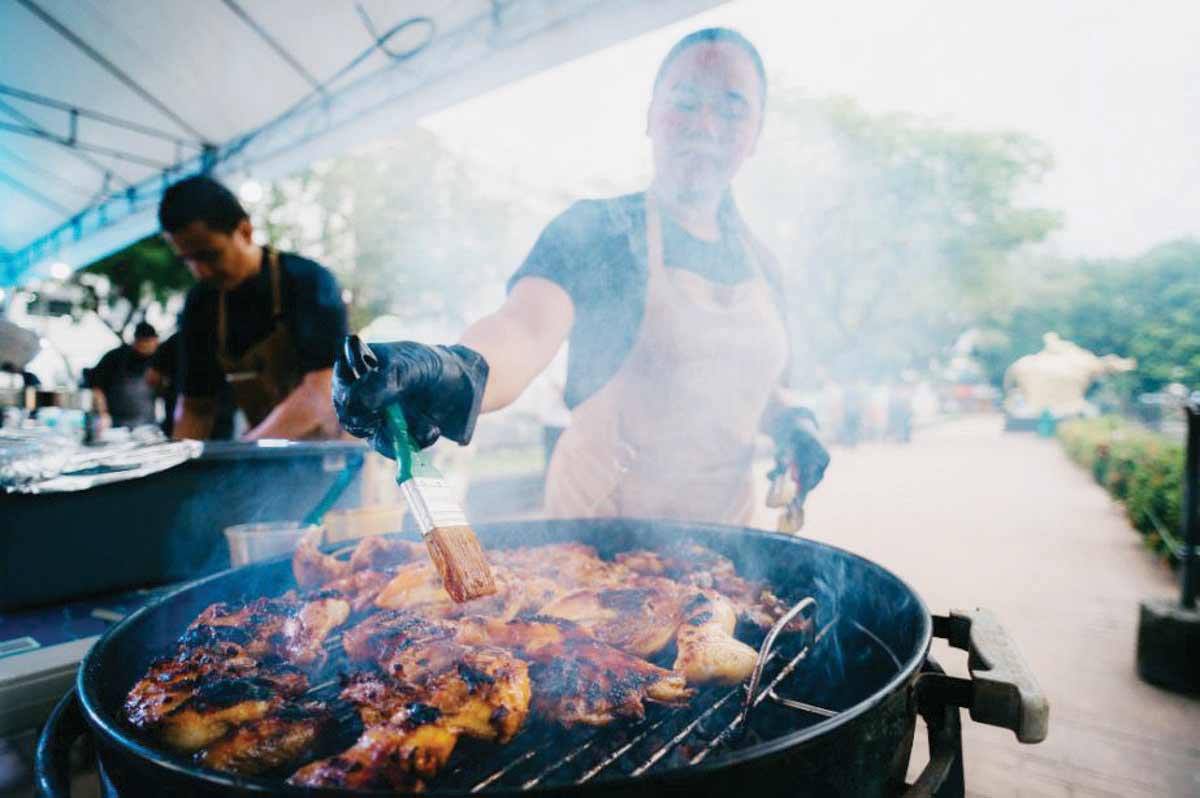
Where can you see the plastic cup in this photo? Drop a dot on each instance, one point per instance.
(261, 541)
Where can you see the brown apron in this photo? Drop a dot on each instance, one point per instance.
(263, 375)
(671, 435)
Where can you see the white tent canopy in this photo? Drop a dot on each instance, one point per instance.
(104, 102)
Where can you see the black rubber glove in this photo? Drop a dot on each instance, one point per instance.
(439, 388)
(798, 447)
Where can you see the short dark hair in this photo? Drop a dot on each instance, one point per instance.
(715, 36)
(200, 199)
(144, 329)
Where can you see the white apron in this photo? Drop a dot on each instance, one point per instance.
(671, 434)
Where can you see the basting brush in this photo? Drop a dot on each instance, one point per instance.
(451, 542)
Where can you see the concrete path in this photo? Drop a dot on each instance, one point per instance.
(970, 515)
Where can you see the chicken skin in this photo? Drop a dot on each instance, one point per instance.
(290, 628)
(479, 690)
(692, 564)
(397, 755)
(189, 703)
(429, 689)
(234, 665)
(706, 650)
(417, 587)
(312, 568)
(284, 735)
(577, 680)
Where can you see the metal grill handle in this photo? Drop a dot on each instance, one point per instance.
(764, 653)
(1002, 690)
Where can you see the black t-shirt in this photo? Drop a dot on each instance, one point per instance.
(596, 251)
(312, 310)
(121, 363)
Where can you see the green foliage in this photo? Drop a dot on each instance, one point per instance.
(1144, 307)
(144, 272)
(1138, 467)
(897, 234)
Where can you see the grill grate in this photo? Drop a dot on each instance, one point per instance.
(718, 719)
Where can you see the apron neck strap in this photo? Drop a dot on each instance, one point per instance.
(271, 256)
(654, 239)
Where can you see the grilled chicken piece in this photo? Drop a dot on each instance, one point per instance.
(571, 565)
(430, 690)
(313, 568)
(190, 703)
(360, 588)
(378, 554)
(480, 690)
(283, 736)
(640, 619)
(643, 618)
(417, 587)
(707, 651)
(578, 680)
(288, 627)
(397, 755)
(692, 564)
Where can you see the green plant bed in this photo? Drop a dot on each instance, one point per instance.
(1138, 467)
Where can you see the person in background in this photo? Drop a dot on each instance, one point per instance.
(673, 311)
(120, 394)
(28, 378)
(900, 412)
(160, 376)
(265, 323)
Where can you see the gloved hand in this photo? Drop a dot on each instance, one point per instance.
(439, 388)
(798, 452)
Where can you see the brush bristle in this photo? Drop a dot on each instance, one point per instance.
(459, 559)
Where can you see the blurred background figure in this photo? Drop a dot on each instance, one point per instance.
(27, 378)
(854, 401)
(120, 393)
(900, 413)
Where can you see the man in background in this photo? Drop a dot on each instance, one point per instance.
(120, 393)
(266, 323)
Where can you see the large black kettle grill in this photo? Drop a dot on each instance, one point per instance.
(830, 712)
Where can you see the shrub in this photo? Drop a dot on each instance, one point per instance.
(1138, 467)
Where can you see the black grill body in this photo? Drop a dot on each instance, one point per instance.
(875, 635)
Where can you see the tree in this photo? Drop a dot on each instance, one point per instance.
(1144, 307)
(896, 234)
(120, 287)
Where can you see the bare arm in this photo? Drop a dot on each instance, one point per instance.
(521, 338)
(99, 401)
(305, 410)
(194, 418)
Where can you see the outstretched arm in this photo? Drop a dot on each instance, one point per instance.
(521, 338)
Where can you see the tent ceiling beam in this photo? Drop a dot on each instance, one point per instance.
(75, 112)
(109, 67)
(107, 173)
(274, 44)
(76, 144)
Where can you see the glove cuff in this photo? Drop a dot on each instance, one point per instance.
(474, 376)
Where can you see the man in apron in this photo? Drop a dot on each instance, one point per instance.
(673, 314)
(120, 393)
(265, 323)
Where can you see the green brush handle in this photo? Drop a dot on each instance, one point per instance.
(410, 462)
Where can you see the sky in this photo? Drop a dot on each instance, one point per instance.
(1112, 87)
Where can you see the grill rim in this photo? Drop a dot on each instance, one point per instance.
(112, 734)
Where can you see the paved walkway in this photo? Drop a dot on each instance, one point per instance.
(970, 515)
